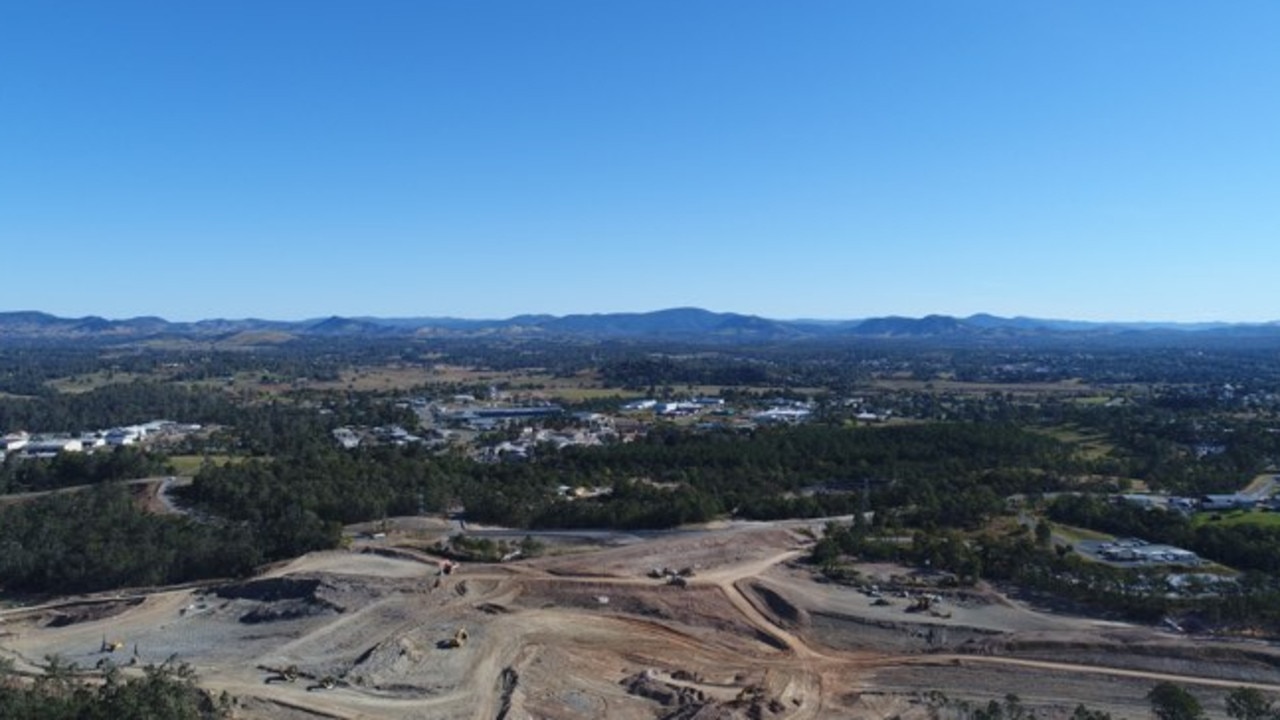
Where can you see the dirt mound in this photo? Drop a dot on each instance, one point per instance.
(270, 589)
(648, 686)
(1254, 664)
(287, 610)
(682, 702)
(780, 610)
(506, 688)
(704, 608)
(281, 599)
(849, 632)
(394, 666)
(89, 612)
(398, 554)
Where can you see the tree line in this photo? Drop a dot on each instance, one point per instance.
(67, 469)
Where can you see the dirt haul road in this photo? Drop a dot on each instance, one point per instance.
(744, 632)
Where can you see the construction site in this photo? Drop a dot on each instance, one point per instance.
(721, 622)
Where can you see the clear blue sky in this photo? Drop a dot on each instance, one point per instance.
(1091, 159)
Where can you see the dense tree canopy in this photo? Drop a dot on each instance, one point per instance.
(166, 691)
(99, 539)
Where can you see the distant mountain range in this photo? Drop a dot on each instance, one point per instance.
(691, 324)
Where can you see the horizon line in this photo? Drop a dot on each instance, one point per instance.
(494, 318)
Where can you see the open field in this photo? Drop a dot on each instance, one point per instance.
(533, 383)
(749, 633)
(1091, 446)
(92, 381)
(1074, 388)
(1074, 534)
(406, 378)
(1260, 518)
(190, 464)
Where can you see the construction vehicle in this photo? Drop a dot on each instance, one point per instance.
(458, 640)
(924, 603)
(749, 694)
(289, 674)
(328, 682)
(920, 603)
(447, 567)
(110, 647)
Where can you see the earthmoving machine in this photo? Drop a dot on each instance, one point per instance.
(458, 640)
(328, 682)
(923, 603)
(447, 567)
(749, 694)
(289, 674)
(110, 647)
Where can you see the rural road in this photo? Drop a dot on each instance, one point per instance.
(165, 483)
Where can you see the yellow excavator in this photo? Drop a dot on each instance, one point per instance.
(459, 638)
(110, 647)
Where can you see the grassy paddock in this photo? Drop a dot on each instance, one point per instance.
(1076, 534)
(190, 464)
(1064, 387)
(76, 384)
(1259, 518)
(1090, 445)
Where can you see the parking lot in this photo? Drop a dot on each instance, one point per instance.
(1127, 552)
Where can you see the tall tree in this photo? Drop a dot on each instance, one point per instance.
(1249, 704)
(1174, 702)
